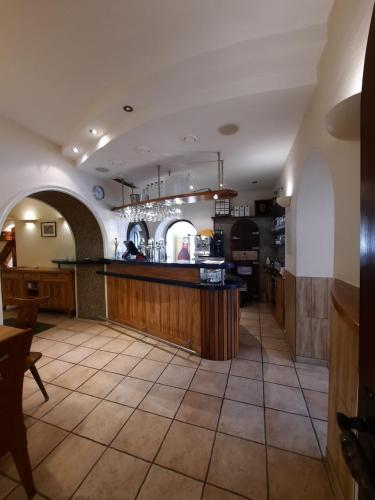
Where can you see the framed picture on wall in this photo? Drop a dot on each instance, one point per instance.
(48, 229)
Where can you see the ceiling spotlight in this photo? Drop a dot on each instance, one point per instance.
(128, 108)
(190, 139)
(102, 169)
(216, 196)
(93, 131)
(191, 187)
(75, 149)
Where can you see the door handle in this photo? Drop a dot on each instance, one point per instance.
(361, 467)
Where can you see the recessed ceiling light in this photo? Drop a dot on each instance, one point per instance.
(228, 129)
(93, 131)
(216, 197)
(191, 188)
(254, 182)
(190, 139)
(143, 149)
(128, 108)
(75, 149)
(102, 169)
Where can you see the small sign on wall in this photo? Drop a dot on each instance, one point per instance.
(48, 229)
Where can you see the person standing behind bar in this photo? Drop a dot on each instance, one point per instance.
(132, 252)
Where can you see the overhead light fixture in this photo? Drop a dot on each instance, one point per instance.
(229, 129)
(191, 187)
(284, 201)
(128, 108)
(216, 197)
(93, 131)
(190, 139)
(75, 149)
(254, 182)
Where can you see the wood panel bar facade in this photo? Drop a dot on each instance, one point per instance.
(177, 309)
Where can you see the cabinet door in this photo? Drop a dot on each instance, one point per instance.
(12, 287)
(56, 291)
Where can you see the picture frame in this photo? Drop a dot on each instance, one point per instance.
(48, 229)
(263, 208)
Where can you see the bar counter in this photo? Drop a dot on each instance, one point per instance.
(168, 300)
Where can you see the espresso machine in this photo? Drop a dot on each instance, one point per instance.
(217, 247)
(203, 246)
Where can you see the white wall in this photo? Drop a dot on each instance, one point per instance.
(339, 76)
(32, 249)
(315, 225)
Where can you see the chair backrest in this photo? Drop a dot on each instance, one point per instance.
(14, 346)
(27, 310)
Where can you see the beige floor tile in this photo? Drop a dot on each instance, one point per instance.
(209, 383)
(99, 359)
(118, 345)
(41, 344)
(320, 427)
(36, 405)
(96, 328)
(200, 409)
(96, 342)
(249, 329)
(313, 379)
(268, 322)
(163, 400)
(110, 332)
(62, 471)
(160, 353)
(122, 364)
(247, 369)
(277, 344)
(79, 338)
(294, 477)
(276, 333)
(29, 387)
(147, 369)
(245, 390)
(249, 321)
(281, 397)
(6, 486)
(250, 353)
(317, 403)
(77, 354)
(177, 376)
(278, 374)
(57, 350)
(74, 377)
(277, 357)
(248, 340)
(186, 449)
(142, 434)
(139, 349)
(44, 360)
(104, 422)
(115, 476)
(130, 391)
(291, 432)
(41, 439)
(214, 493)
(20, 494)
(101, 384)
(240, 466)
(242, 420)
(163, 484)
(53, 370)
(185, 359)
(215, 366)
(71, 411)
(58, 334)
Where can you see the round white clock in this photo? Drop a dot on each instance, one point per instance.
(98, 192)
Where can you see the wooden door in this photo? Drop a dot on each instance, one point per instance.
(366, 405)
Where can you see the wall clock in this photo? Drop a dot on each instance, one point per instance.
(98, 192)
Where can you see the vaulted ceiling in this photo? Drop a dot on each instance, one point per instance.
(186, 67)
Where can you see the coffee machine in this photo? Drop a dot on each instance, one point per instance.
(202, 246)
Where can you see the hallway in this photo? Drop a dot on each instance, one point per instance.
(130, 418)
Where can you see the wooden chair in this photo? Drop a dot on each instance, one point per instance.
(27, 315)
(14, 347)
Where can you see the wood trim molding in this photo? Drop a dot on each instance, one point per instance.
(345, 299)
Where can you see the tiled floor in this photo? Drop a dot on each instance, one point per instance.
(130, 418)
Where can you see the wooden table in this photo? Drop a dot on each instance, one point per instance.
(7, 332)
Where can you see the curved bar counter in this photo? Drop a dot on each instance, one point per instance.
(167, 300)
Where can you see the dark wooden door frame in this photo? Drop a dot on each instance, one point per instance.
(366, 402)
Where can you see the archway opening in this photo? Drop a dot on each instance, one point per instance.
(74, 235)
(179, 240)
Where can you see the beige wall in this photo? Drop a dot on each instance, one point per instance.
(32, 249)
(339, 76)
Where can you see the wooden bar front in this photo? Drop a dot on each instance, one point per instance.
(178, 310)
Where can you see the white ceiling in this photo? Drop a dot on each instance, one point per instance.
(187, 67)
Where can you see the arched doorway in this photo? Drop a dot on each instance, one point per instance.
(90, 287)
(175, 235)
